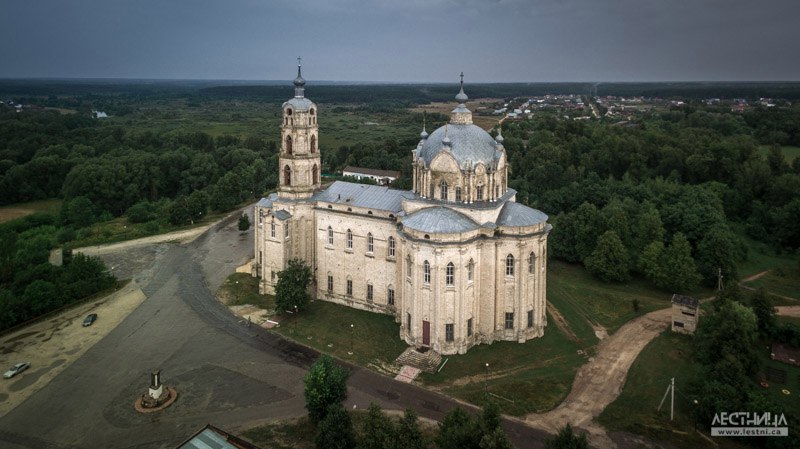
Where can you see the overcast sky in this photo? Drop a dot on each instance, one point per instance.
(403, 40)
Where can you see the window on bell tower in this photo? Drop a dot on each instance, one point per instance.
(313, 144)
(287, 176)
(289, 144)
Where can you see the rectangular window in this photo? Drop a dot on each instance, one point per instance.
(286, 230)
(370, 243)
(677, 324)
(349, 287)
(469, 327)
(509, 320)
(449, 334)
(260, 257)
(479, 193)
(272, 276)
(408, 322)
(390, 296)
(369, 292)
(391, 246)
(530, 318)
(330, 283)
(458, 193)
(272, 229)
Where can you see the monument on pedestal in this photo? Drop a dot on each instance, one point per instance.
(157, 397)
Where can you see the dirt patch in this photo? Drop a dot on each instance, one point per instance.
(599, 382)
(755, 276)
(788, 311)
(561, 322)
(178, 236)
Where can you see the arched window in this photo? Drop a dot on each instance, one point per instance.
(272, 229)
(369, 291)
(479, 193)
(509, 265)
(330, 235)
(314, 175)
(458, 193)
(391, 246)
(470, 270)
(349, 239)
(426, 272)
(349, 286)
(311, 111)
(287, 176)
(313, 144)
(531, 263)
(450, 275)
(288, 112)
(390, 295)
(444, 190)
(289, 144)
(370, 243)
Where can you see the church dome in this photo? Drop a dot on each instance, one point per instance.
(468, 144)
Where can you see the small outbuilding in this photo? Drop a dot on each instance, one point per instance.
(685, 314)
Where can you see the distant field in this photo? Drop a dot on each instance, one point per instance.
(789, 152)
(12, 211)
(485, 122)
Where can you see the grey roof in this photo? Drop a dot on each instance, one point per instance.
(282, 215)
(299, 103)
(363, 195)
(372, 171)
(439, 220)
(264, 202)
(468, 143)
(515, 214)
(685, 300)
(209, 439)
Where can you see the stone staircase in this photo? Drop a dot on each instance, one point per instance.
(424, 359)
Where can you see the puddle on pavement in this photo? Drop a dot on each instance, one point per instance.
(57, 362)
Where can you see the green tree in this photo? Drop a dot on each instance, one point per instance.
(496, 439)
(719, 248)
(458, 430)
(765, 312)
(567, 439)
(292, 288)
(79, 211)
(377, 430)
(729, 334)
(648, 227)
(325, 385)
(409, 435)
(650, 262)
(335, 431)
(679, 270)
(609, 261)
(178, 211)
(244, 222)
(197, 204)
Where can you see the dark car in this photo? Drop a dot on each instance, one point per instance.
(90, 318)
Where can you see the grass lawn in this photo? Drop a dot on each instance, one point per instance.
(784, 271)
(779, 282)
(242, 288)
(529, 377)
(775, 390)
(374, 338)
(789, 319)
(12, 211)
(667, 356)
(789, 152)
(582, 298)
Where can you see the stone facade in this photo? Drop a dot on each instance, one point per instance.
(455, 268)
(685, 314)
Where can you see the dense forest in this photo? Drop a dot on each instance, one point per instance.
(667, 196)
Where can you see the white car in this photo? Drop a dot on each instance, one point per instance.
(16, 369)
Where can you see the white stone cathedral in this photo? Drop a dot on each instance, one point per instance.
(456, 260)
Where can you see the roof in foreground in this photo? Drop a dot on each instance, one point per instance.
(439, 220)
(372, 171)
(685, 300)
(515, 214)
(364, 195)
(211, 437)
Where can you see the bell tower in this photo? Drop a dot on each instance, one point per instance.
(299, 160)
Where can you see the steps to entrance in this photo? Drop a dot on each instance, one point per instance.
(423, 359)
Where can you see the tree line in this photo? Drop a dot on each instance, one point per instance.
(665, 197)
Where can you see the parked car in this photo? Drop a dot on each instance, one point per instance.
(90, 318)
(16, 369)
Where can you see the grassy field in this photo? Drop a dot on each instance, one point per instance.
(529, 377)
(783, 277)
(789, 152)
(12, 211)
(373, 338)
(667, 356)
(585, 299)
(240, 289)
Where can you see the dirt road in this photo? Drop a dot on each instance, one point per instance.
(599, 382)
(788, 310)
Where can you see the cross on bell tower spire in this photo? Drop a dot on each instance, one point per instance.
(299, 82)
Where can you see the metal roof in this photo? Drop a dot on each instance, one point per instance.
(515, 214)
(264, 202)
(363, 195)
(371, 171)
(299, 104)
(685, 300)
(469, 143)
(439, 220)
(282, 215)
(211, 437)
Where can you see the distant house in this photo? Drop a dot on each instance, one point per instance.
(685, 314)
(210, 437)
(382, 177)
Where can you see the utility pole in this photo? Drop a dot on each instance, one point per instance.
(670, 389)
(719, 279)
